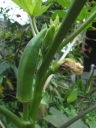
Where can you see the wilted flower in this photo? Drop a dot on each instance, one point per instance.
(84, 49)
(67, 64)
(70, 64)
(88, 49)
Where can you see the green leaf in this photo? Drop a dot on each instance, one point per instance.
(37, 8)
(32, 7)
(64, 3)
(45, 99)
(78, 124)
(85, 13)
(60, 13)
(2, 35)
(37, 126)
(70, 90)
(73, 96)
(1, 91)
(89, 81)
(3, 67)
(92, 124)
(1, 79)
(14, 68)
(57, 119)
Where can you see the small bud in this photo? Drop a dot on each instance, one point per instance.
(18, 15)
(84, 49)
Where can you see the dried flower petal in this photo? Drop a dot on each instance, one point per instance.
(70, 64)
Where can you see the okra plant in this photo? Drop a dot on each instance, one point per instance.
(30, 79)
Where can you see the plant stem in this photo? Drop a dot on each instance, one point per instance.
(48, 81)
(16, 120)
(32, 27)
(1, 124)
(89, 81)
(81, 28)
(37, 96)
(69, 19)
(34, 24)
(25, 111)
(74, 119)
(42, 75)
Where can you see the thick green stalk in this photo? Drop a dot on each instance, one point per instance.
(41, 77)
(16, 120)
(25, 111)
(80, 29)
(90, 78)
(74, 119)
(69, 19)
(37, 96)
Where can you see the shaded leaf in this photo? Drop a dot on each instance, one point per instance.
(1, 91)
(58, 119)
(3, 67)
(92, 124)
(15, 69)
(1, 79)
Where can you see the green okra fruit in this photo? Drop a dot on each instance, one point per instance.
(27, 68)
(48, 38)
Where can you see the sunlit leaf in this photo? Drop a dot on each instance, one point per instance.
(2, 34)
(64, 3)
(60, 13)
(32, 7)
(8, 35)
(73, 96)
(37, 126)
(55, 23)
(9, 83)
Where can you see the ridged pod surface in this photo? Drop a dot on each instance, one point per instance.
(27, 68)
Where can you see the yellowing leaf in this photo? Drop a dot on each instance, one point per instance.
(21, 52)
(32, 7)
(8, 82)
(1, 91)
